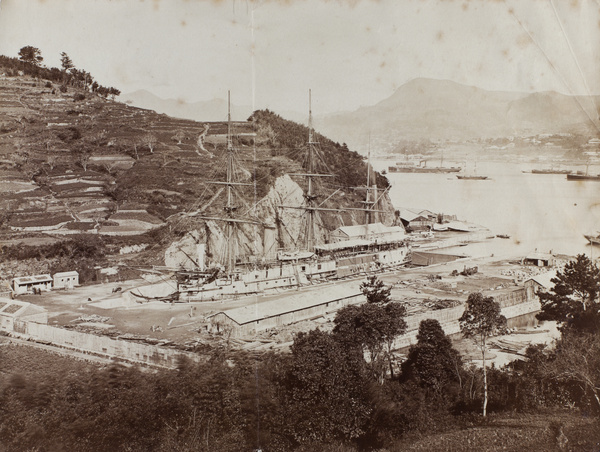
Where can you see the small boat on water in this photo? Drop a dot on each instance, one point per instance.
(471, 175)
(463, 177)
(580, 175)
(423, 169)
(593, 239)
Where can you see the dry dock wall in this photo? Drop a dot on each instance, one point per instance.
(101, 345)
(424, 258)
(514, 304)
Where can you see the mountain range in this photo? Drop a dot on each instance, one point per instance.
(446, 110)
(421, 109)
(211, 110)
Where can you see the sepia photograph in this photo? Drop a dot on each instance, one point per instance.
(299, 225)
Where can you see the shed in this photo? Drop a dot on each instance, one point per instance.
(417, 220)
(11, 310)
(26, 284)
(542, 281)
(539, 259)
(284, 310)
(66, 280)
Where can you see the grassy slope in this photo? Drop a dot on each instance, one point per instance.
(514, 432)
(31, 362)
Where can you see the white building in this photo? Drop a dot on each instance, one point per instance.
(66, 280)
(27, 284)
(11, 310)
(372, 231)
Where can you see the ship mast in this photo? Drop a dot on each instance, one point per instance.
(311, 208)
(309, 196)
(369, 203)
(371, 196)
(230, 208)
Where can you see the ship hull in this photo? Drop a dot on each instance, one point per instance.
(538, 171)
(435, 170)
(297, 274)
(472, 177)
(582, 177)
(594, 240)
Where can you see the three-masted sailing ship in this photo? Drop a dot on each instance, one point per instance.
(370, 247)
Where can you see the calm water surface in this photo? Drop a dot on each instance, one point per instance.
(539, 212)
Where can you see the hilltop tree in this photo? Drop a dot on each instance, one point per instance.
(66, 62)
(30, 54)
(265, 135)
(67, 65)
(51, 160)
(481, 320)
(375, 290)
(134, 146)
(574, 300)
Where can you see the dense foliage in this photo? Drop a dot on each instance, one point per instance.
(82, 253)
(320, 395)
(574, 300)
(290, 139)
(433, 362)
(84, 246)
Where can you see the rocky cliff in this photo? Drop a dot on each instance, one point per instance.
(281, 228)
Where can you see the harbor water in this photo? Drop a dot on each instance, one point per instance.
(540, 212)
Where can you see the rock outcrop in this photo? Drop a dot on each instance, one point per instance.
(283, 227)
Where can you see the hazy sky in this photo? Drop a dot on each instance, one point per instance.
(351, 53)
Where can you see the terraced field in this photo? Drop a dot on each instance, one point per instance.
(73, 162)
(70, 165)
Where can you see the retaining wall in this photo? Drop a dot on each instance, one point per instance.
(102, 345)
(514, 305)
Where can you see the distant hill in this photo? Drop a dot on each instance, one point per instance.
(211, 110)
(441, 109)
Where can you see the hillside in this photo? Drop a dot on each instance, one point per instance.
(74, 162)
(441, 109)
